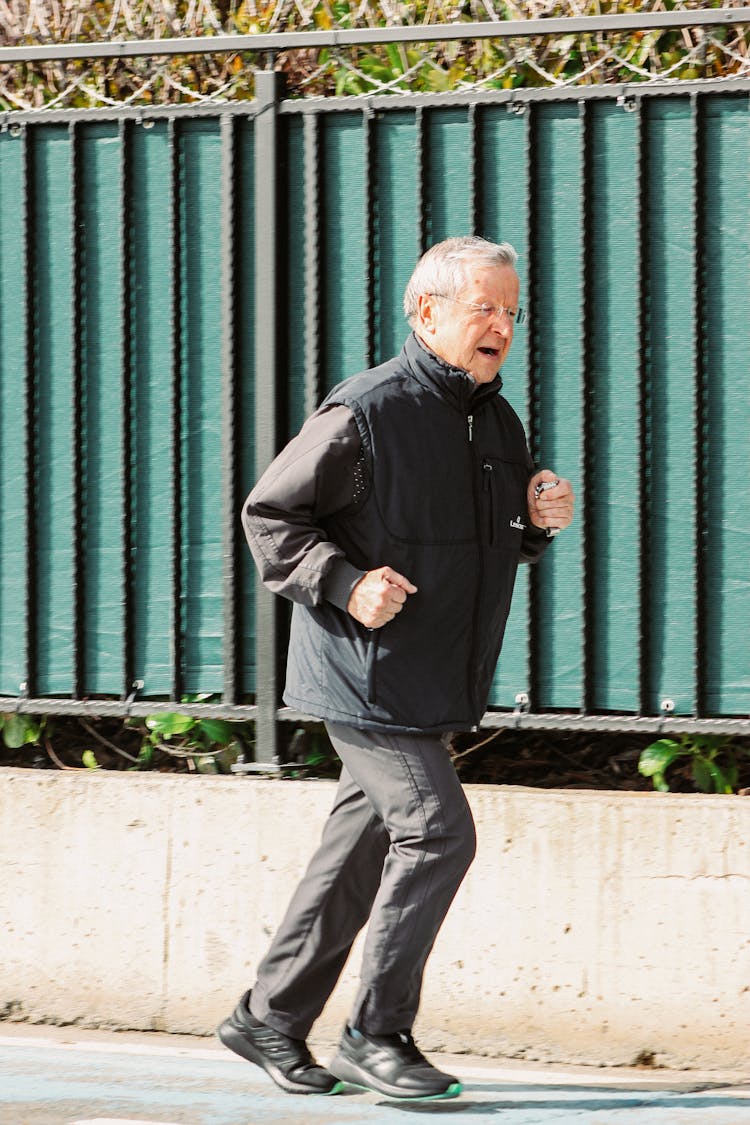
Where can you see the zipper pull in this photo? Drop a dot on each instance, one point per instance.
(487, 470)
(470, 420)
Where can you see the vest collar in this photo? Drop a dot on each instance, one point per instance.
(452, 383)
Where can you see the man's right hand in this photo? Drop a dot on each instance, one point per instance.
(379, 596)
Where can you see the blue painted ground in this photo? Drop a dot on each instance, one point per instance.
(114, 1080)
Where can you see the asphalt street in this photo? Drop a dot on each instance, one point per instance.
(70, 1077)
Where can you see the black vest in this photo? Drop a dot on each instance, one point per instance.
(444, 503)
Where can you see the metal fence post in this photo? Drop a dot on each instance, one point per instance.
(268, 92)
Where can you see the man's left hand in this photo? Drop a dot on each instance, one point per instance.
(550, 506)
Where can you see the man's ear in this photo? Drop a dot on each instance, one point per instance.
(427, 312)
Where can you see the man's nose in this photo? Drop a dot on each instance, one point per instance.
(503, 322)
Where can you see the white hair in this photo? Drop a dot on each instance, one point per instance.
(442, 268)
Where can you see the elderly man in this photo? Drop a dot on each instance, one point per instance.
(395, 522)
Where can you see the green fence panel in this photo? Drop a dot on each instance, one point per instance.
(201, 296)
(301, 271)
(14, 543)
(397, 231)
(151, 279)
(557, 304)
(613, 567)
(503, 186)
(672, 369)
(724, 328)
(54, 316)
(243, 295)
(344, 258)
(100, 322)
(447, 149)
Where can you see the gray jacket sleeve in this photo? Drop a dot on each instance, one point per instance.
(311, 478)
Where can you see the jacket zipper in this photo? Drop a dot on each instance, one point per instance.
(471, 669)
(488, 487)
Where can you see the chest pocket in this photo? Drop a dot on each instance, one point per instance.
(504, 509)
(423, 478)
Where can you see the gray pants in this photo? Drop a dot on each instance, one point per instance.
(397, 844)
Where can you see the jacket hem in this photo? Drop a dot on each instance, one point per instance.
(323, 713)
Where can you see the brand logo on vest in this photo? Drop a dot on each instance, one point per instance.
(518, 524)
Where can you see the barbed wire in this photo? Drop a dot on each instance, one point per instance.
(566, 59)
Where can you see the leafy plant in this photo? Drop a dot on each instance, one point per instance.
(20, 730)
(88, 757)
(713, 761)
(210, 745)
(627, 55)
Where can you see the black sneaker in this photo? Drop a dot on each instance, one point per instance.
(392, 1065)
(286, 1060)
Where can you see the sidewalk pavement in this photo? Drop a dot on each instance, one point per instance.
(67, 1076)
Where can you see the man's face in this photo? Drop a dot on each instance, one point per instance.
(464, 337)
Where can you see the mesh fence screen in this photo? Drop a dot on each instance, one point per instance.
(565, 59)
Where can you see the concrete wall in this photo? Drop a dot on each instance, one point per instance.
(593, 927)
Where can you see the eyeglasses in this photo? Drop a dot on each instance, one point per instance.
(518, 316)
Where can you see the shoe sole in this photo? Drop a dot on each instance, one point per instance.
(354, 1075)
(236, 1042)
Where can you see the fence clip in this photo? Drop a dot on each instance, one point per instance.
(666, 707)
(135, 687)
(23, 695)
(521, 708)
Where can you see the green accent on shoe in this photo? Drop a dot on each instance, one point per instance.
(453, 1091)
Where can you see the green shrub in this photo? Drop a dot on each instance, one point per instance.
(712, 758)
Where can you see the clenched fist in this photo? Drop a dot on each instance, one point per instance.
(550, 500)
(379, 596)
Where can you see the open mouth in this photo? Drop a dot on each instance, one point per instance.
(494, 352)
